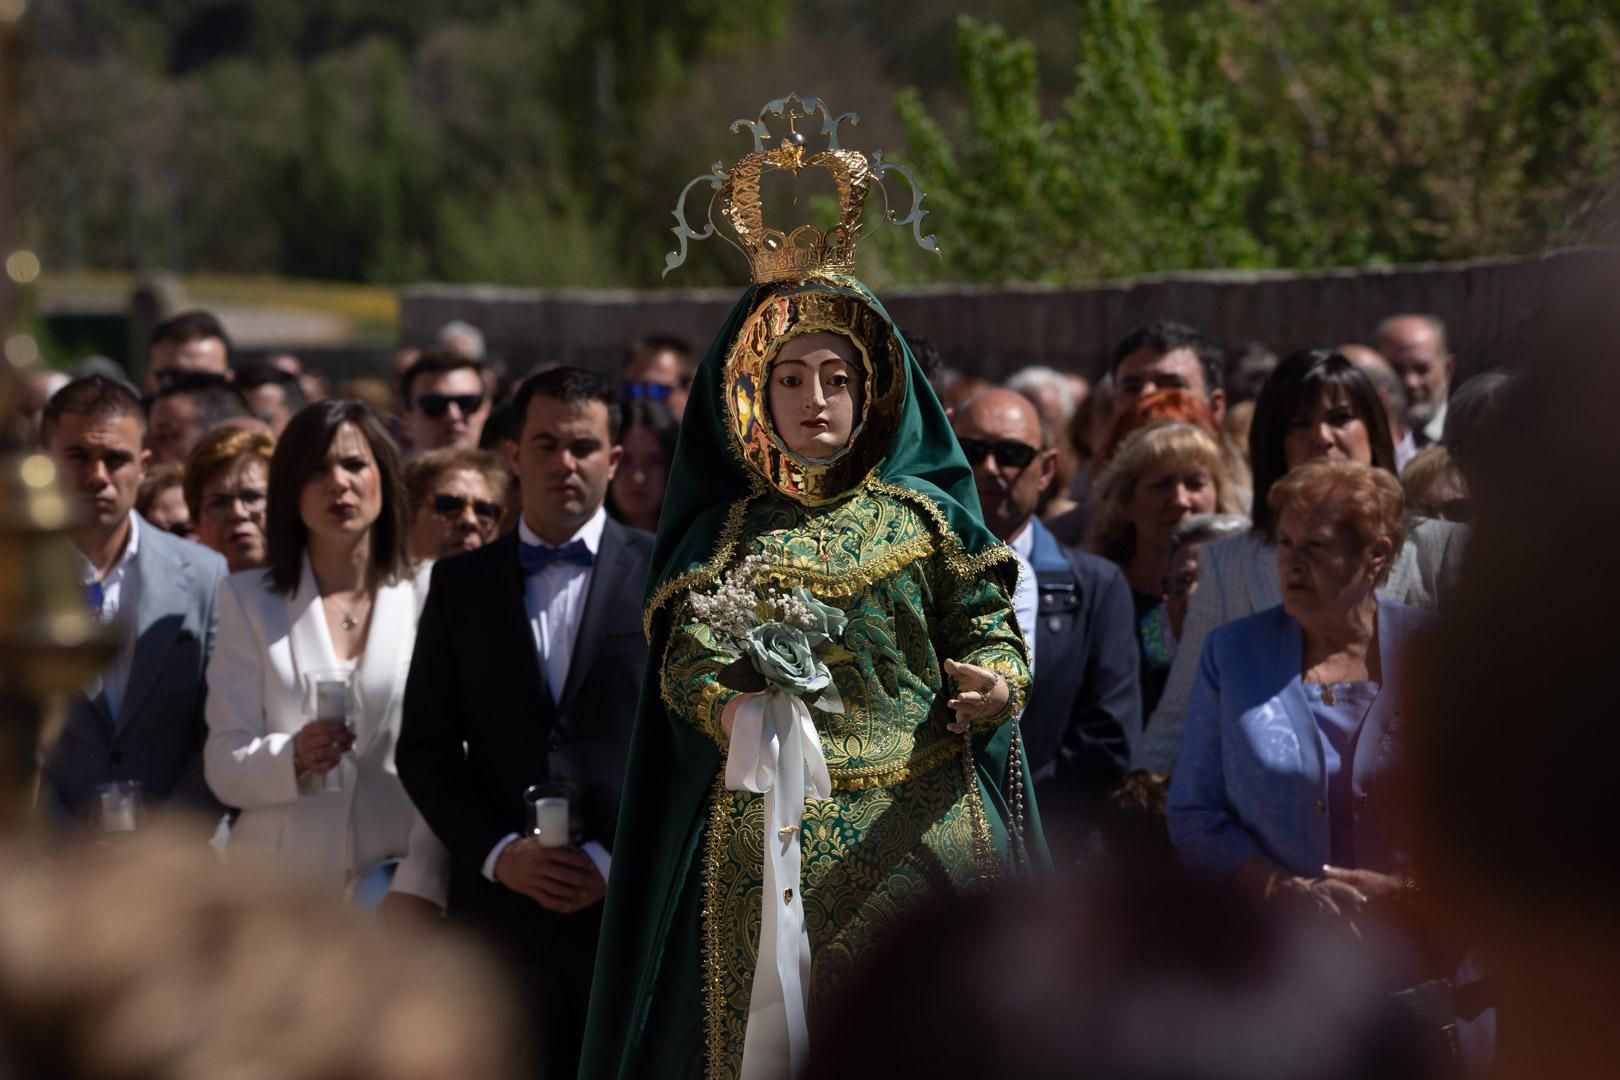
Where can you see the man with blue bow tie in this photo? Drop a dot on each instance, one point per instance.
(527, 668)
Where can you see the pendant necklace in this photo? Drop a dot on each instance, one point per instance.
(348, 622)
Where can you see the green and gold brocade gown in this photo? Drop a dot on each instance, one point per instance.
(907, 820)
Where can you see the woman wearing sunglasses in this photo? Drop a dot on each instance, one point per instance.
(457, 499)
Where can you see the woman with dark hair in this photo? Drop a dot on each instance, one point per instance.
(648, 436)
(1315, 405)
(331, 619)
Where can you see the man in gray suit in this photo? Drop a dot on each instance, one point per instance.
(142, 718)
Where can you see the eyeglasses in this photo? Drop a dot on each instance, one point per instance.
(220, 505)
(651, 391)
(434, 406)
(452, 506)
(1008, 452)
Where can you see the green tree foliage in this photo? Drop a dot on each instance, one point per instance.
(542, 141)
(1344, 132)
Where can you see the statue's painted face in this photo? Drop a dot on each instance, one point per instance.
(815, 393)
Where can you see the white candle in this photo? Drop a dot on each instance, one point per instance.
(117, 811)
(551, 822)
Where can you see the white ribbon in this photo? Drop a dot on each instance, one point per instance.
(776, 751)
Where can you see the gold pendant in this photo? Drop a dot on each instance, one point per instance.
(1327, 694)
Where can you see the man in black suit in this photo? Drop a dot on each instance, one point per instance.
(1085, 708)
(527, 669)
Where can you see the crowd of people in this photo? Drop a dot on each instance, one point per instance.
(1221, 559)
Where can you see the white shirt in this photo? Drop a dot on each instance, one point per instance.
(118, 589)
(1026, 597)
(1436, 426)
(1405, 451)
(555, 599)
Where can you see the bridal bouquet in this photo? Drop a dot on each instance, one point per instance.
(780, 639)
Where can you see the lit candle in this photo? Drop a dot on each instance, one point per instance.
(550, 822)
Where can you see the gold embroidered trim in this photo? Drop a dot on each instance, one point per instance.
(711, 700)
(1016, 684)
(714, 988)
(725, 548)
(961, 565)
(842, 583)
(984, 848)
(866, 777)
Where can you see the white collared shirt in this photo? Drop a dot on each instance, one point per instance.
(1026, 597)
(556, 601)
(118, 589)
(1436, 427)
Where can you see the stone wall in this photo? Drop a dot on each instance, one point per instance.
(1495, 310)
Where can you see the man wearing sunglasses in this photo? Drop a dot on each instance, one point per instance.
(1084, 709)
(445, 402)
(658, 367)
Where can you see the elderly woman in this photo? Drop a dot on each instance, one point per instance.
(318, 794)
(457, 497)
(1316, 404)
(1283, 783)
(1159, 476)
(227, 477)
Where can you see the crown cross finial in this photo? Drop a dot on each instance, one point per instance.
(805, 251)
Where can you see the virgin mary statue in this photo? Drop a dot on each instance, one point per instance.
(760, 857)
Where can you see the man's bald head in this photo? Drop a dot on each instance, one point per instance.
(1381, 373)
(1008, 407)
(1003, 437)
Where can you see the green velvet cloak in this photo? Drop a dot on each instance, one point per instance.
(647, 1007)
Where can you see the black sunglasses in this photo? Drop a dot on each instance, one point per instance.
(434, 406)
(1008, 451)
(451, 506)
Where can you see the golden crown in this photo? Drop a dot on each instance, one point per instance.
(805, 251)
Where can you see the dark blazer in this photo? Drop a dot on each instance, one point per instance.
(479, 727)
(1085, 710)
(157, 736)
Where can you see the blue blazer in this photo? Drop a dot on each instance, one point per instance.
(1085, 709)
(1250, 778)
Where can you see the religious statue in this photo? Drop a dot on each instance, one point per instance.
(827, 736)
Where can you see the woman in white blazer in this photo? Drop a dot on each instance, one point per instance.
(337, 593)
(1316, 404)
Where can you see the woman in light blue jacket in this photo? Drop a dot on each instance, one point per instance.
(1294, 728)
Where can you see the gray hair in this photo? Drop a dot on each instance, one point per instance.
(1199, 528)
(467, 333)
(1031, 378)
(1435, 322)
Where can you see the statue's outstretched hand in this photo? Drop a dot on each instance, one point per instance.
(980, 692)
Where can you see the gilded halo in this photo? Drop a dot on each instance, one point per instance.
(786, 313)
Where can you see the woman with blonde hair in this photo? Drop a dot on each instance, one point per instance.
(1159, 476)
